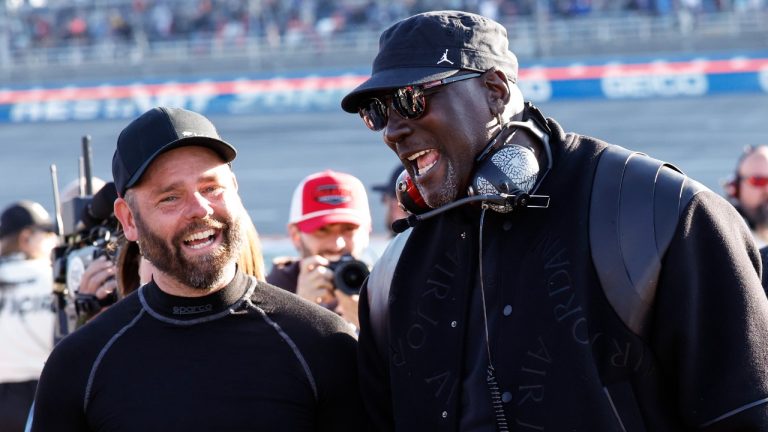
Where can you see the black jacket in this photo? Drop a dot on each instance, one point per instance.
(563, 358)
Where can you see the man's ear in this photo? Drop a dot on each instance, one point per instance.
(731, 188)
(498, 95)
(124, 214)
(234, 180)
(295, 234)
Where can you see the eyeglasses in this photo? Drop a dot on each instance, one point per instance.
(756, 181)
(409, 101)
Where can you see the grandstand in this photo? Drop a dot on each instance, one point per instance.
(50, 41)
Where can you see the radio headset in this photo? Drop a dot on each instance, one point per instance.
(505, 177)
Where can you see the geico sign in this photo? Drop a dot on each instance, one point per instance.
(640, 86)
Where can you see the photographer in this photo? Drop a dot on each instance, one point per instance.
(26, 320)
(330, 226)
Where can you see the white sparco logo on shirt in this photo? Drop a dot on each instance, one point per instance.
(187, 310)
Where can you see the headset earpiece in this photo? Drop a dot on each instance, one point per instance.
(510, 170)
(408, 196)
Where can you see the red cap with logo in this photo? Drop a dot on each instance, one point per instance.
(329, 197)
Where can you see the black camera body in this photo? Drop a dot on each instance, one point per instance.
(349, 274)
(87, 234)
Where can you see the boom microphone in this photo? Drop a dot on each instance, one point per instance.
(101, 206)
(507, 200)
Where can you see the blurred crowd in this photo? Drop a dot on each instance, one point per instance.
(56, 23)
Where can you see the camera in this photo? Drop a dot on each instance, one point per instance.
(349, 274)
(89, 231)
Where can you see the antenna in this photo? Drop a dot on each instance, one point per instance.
(56, 201)
(87, 157)
(80, 176)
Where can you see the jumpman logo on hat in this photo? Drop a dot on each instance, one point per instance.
(444, 58)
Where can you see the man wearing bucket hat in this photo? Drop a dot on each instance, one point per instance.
(544, 280)
(202, 346)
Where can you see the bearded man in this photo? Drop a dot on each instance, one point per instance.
(202, 346)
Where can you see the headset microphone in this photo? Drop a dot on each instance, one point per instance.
(492, 200)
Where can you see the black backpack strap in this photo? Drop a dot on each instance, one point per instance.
(634, 195)
(379, 283)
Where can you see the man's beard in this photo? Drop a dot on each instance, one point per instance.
(200, 272)
(757, 217)
(448, 192)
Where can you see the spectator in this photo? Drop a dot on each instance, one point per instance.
(748, 191)
(26, 318)
(592, 288)
(292, 22)
(389, 199)
(203, 346)
(329, 219)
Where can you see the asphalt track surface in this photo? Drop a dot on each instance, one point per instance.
(703, 136)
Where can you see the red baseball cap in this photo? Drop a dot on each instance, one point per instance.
(329, 197)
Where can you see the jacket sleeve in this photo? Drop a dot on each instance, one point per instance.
(710, 329)
(373, 371)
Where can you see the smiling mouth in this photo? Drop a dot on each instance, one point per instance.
(423, 161)
(200, 239)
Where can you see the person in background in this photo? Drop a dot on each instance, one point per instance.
(27, 237)
(389, 199)
(552, 281)
(203, 346)
(748, 191)
(329, 220)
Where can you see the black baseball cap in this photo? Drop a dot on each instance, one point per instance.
(432, 46)
(157, 131)
(25, 214)
(389, 188)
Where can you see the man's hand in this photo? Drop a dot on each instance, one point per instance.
(315, 284)
(315, 281)
(99, 278)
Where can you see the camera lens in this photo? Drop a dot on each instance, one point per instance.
(349, 275)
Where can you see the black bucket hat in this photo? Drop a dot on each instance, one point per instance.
(432, 46)
(157, 131)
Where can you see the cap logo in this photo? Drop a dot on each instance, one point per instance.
(444, 58)
(332, 195)
(188, 133)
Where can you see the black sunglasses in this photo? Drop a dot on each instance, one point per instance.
(409, 101)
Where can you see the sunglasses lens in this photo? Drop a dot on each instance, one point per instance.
(409, 102)
(757, 181)
(374, 114)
